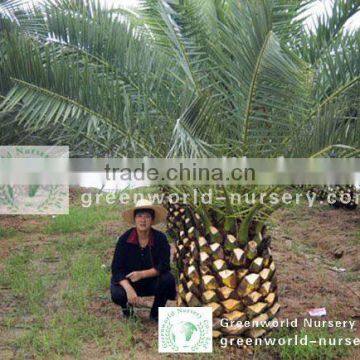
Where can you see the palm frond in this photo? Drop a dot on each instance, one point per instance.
(41, 107)
(327, 29)
(261, 81)
(193, 128)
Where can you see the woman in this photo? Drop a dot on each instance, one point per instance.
(141, 263)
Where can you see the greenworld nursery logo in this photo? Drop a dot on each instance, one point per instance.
(21, 195)
(185, 329)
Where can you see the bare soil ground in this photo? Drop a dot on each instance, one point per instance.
(309, 250)
(310, 247)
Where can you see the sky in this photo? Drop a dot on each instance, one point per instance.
(318, 8)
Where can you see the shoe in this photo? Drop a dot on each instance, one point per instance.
(154, 318)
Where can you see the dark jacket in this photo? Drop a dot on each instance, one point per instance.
(130, 257)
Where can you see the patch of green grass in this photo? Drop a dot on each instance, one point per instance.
(81, 219)
(6, 233)
(320, 344)
(61, 304)
(65, 334)
(91, 242)
(352, 276)
(129, 328)
(55, 300)
(70, 244)
(356, 240)
(20, 275)
(66, 331)
(87, 278)
(301, 248)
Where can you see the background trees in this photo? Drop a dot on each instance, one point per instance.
(184, 78)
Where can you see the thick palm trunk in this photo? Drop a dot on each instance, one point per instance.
(217, 269)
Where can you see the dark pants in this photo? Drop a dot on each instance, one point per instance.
(163, 287)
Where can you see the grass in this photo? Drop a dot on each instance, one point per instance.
(7, 233)
(51, 291)
(52, 294)
(55, 288)
(310, 350)
(81, 219)
(96, 243)
(352, 276)
(20, 275)
(301, 248)
(356, 239)
(66, 333)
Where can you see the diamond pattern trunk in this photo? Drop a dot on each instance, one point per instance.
(237, 280)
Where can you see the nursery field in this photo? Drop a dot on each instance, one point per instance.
(55, 301)
(214, 80)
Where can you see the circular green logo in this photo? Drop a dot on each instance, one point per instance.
(186, 330)
(184, 334)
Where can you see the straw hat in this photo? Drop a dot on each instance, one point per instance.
(160, 211)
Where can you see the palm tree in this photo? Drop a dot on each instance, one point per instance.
(196, 79)
(14, 17)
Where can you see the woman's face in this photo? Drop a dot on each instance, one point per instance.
(143, 221)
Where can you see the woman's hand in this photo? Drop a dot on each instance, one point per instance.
(135, 276)
(132, 296)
